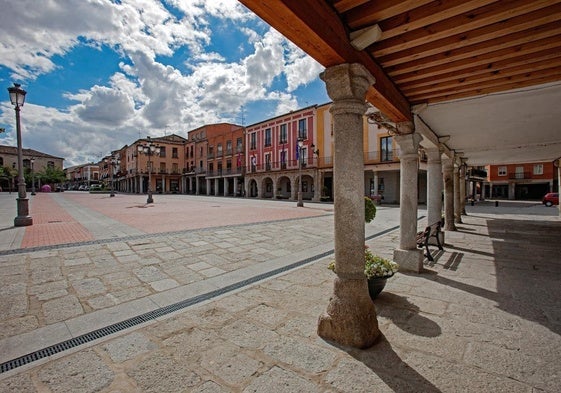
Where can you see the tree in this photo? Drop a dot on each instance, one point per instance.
(51, 175)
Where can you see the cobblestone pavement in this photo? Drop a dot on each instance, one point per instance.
(234, 308)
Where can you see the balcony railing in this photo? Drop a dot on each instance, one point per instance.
(473, 172)
(520, 175)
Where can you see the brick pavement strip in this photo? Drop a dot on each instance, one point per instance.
(480, 319)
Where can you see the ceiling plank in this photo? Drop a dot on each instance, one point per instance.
(487, 33)
(375, 11)
(428, 14)
(540, 56)
(316, 28)
(498, 84)
(508, 43)
(493, 13)
(345, 5)
(454, 84)
(549, 44)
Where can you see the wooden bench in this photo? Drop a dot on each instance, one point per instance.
(423, 238)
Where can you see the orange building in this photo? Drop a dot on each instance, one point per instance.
(215, 158)
(160, 170)
(521, 181)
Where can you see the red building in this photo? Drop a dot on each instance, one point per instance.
(521, 181)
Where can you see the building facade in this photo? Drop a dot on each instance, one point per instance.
(215, 158)
(521, 181)
(33, 161)
(275, 164)
(161, 170)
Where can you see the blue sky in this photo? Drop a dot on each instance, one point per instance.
(101, 73)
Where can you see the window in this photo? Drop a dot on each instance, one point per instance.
(229, 147)
(219, 150)
(302, 132)
(282, 133)
(502, 171)
(538, 169)
(51, 164)
(239, 145)
(267, 162)
(253, 142)
(386, 148)
(229, 166)
(174, 152)
(304, 156)
(162, 151)
(268, 137)
(210, 151)
(162, 167)
(175, 167)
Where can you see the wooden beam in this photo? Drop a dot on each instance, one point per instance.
(523, 23)
(375, 11)
(483, 79)
(316, 28)
(496, 89)
(493, 13)
(540, 56)
(495, 85)
(427, 14)
(507, 43)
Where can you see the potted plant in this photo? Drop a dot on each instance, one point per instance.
(376, 269)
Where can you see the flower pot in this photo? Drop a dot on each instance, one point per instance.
(376, 285)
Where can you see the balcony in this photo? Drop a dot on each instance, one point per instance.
(479, 173)
(520, 175)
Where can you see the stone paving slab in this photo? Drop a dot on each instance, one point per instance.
(483, 317)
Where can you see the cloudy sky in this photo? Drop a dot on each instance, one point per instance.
(99, 74)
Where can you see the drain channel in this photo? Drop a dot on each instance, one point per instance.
(152, 315)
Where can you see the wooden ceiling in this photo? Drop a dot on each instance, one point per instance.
(429, 51)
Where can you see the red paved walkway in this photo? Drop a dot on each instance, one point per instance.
(52, 224)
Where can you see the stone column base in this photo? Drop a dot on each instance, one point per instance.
(409, 260)
(350, 319)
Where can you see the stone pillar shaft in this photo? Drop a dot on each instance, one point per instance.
(350, 318)
(463, 189)
(407, 255)
(457, 196)
(435, 186)
(448, 169)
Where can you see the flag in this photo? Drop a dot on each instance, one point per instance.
(297, 151)
(239, 159)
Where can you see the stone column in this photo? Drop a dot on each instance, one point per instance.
(197, 185)
(226, 184)
(236, 186)
(350, 318)
(457, 196)
(463, 188)
(216, 186)
(317, 186)
(376, 183)
(448, 167)
(434, 186)
(408, 256)
(208, 187)
(294, 188)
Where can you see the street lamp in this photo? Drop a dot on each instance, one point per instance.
(17, 97)
(300, 145)
(32, 177)
(112, 161)
(149, 149)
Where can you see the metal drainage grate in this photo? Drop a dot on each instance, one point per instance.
(152, 315)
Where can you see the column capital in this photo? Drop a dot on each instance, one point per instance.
(434, 155)
(405, 127)
(347, 82)
(409, 144)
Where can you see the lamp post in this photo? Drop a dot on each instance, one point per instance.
(32, 177)
(112, 161)
(149, 149)
(300, 201)
(17, 97)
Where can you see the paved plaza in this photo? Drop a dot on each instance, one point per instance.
(213, 294)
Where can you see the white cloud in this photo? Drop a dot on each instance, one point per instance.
(145, 97)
